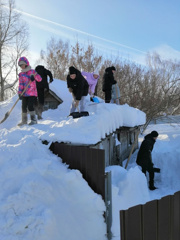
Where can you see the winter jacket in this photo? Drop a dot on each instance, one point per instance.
(24, 79)
(44, 73)
(79, 85)
(108, 80)
(144, 157)
(91, 81)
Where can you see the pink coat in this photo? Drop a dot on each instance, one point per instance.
(24, 78)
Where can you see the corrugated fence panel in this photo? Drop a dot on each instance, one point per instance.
(164, 218)
(175, 224)
(155, 220)
(89, 161)
(149, 220)
(131, 223)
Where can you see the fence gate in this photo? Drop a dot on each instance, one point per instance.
(91, 163)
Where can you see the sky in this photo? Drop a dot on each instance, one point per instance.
(128, 29)
(41, 198)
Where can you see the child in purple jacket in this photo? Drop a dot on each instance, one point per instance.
(27, 76)
(92, 79)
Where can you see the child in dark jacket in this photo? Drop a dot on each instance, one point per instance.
(144, 157)
(42, 87)
(78, 87)
(108, 81)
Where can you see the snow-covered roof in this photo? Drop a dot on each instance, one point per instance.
(56, 125)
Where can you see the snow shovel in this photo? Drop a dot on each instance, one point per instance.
(8, 113)
(79, 114)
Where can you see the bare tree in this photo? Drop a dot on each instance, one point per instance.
(56, 58)
(13, 42)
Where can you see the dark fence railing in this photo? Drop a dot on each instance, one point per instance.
(155, 220)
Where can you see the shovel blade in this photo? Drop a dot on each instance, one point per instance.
(79, 114)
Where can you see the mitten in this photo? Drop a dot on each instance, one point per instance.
(32, 78)
(70, 90)
(20, 97)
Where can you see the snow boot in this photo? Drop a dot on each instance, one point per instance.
(24, 120)
(151, 185)
(40, 110)
(33, 118)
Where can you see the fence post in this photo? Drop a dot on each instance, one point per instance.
(108, 203)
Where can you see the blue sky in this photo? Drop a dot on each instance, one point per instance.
(128, 28)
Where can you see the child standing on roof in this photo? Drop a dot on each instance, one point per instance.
(27, 76)
(92, 79)
(78, 87)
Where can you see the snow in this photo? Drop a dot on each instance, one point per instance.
(41, 198)
(57, 126)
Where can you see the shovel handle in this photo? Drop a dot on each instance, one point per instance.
(8, 113)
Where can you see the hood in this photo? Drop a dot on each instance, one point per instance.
(39, 67)
(23, 60)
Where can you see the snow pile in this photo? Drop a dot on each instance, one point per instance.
(40, 197)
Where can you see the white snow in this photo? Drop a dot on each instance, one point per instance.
(57, 126)
(42, 199)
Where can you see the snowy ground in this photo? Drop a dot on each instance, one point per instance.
(42, 199)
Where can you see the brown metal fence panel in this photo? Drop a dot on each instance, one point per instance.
(175, 224)
(89, 161)
(164, 218)
(149, 220)
(131, 227)
(155, 220)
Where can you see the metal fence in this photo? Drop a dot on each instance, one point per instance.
(91, 163)
(155, 220)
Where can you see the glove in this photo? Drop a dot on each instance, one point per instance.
(32, 78)
(70, 90)
(51, 80)
(20, 97)
(76, 103)
(91, 97)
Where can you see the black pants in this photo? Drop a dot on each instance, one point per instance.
(151, 174)
(28, 103)
(107, 96)
(41, 96)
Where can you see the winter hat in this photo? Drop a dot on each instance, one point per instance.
(72, 70)
(96, 72)
(154, 134)
(23, 60)
(113, 68)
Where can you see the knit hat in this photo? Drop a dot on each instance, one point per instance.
(96, 72)
(23, 60)
(72, 70)
(113, 68)
(154, 134)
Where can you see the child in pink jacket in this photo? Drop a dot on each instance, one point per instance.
(92, 79)
(27, 76)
